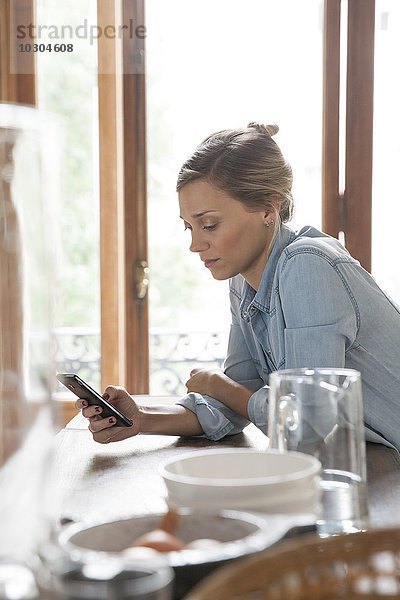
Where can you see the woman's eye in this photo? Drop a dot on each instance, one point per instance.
(204, 227)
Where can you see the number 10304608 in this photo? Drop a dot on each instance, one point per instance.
(46, 47)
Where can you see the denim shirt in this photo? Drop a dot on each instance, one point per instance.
(315, 307)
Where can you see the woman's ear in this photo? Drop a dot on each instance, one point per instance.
(270, 213)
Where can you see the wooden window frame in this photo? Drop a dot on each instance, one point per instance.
(123, 202)
(349, 212)
(17, 69)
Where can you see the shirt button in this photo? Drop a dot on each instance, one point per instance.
(269, 352)
(245, 314)
(253, 308)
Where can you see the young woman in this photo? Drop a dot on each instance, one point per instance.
(298, 299)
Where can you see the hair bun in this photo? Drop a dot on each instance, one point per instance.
(269, 130)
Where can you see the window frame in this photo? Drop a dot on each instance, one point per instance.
(17, 69)
(349, 211)
(122, 152)
(123, 202)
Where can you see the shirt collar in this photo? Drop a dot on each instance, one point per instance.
(261, 298)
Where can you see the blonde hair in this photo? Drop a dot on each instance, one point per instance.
(246, 164)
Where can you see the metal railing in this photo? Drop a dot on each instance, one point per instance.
(172, 355)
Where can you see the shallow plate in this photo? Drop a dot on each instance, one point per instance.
(240, 534)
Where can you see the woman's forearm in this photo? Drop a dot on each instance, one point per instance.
(168, 419)
(232, 394)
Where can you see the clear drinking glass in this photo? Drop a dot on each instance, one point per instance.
(320, 412)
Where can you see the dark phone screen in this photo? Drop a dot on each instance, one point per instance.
(81, 389)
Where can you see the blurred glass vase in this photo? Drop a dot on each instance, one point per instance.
(28, 193)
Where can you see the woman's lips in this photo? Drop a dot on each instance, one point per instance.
(210, 263)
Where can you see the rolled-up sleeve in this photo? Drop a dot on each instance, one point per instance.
(216, 419)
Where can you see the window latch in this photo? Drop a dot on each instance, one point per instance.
(142, 272)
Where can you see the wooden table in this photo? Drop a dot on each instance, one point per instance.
(121, 479)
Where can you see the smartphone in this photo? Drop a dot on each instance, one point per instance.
(84, 391)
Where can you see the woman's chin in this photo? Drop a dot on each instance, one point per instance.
(222, 276)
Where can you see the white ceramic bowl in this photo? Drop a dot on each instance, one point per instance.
(246, 479)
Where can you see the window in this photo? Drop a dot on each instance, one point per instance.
(386, 158)
(67, 87)
(210, 66)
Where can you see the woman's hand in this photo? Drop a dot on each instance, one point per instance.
(214, 383)
(200, 381)
(206, 381)
(105, 430)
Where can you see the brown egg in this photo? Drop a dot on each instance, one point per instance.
(161, 538)
(169, 521)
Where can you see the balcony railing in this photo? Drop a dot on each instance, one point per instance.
(172, 355)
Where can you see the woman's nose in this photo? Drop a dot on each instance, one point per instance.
(198, 244)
